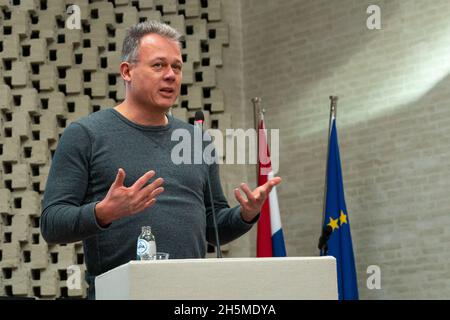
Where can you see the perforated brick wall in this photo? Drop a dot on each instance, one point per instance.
(50, 76)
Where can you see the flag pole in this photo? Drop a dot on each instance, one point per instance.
(333, 107)
(258, 114)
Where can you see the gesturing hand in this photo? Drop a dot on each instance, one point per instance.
(122, 201)
(255, 199)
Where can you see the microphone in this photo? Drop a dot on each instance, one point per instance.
(323, 240)
(199, 120)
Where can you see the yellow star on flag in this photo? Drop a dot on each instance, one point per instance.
(343, 218)
(333, 223)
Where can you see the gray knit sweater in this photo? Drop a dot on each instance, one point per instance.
(85, 164)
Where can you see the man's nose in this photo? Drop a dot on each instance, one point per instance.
(170, 74)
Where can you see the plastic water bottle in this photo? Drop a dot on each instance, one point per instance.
(146, 245)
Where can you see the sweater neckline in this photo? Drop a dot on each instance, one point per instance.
(140, 126)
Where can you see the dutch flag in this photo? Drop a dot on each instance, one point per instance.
(270, 239)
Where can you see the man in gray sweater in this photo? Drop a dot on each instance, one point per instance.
(112, 171)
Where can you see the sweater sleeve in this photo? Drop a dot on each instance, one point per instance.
(65, 216)
(229, 220)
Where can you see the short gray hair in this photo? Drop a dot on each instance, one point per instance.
(135, 33)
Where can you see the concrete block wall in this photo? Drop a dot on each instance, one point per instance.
(51, 75)
(393, 123)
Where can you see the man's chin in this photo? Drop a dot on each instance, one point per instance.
(164, 106)
(160, 105)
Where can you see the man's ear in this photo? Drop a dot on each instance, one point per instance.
(125, 71)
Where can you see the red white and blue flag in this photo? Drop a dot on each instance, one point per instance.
(270, 239)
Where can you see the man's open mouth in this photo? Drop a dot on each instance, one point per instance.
(167, 90)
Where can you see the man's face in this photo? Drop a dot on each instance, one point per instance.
(155, 78)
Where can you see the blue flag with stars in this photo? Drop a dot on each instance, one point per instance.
(336, 216)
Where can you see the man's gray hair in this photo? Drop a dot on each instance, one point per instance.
(135, 33)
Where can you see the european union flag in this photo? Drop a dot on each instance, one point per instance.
(336, 217)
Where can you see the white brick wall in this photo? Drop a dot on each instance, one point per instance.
(393, 125)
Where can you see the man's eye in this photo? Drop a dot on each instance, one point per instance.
(158, 65)
(176, 67)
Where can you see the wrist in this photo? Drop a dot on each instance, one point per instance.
(247, 216)
(101, 214)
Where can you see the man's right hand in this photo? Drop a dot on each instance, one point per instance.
(122, 201)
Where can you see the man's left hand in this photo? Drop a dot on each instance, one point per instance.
(255, 199)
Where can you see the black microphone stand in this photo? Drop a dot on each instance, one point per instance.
(199, 118)
(216, 233)
(324, 250)
(323, 240)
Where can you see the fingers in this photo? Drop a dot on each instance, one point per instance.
(270, 184)
(152, 195)
(239, 197)
(247, 192)
(120, 178)
(252, 197)
(156, 192)
(250, 207)
(151, 199)
(267, 187)
(143, 180)
(259, 195)
(149, 203)
(151, 188)
(275, 181)
(124, 201)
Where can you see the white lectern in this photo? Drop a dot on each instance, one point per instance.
(289, 278)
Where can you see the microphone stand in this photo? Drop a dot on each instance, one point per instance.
(323, 240)
(216, 233)
(199, 122)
